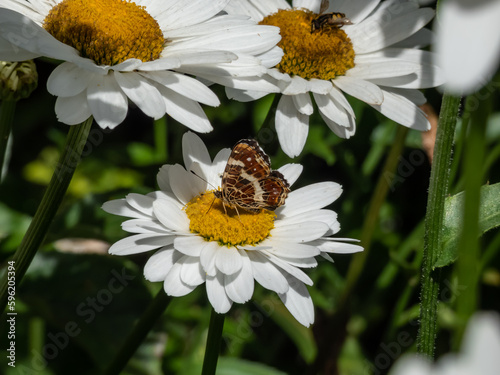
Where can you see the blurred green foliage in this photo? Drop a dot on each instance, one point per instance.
(378, 321)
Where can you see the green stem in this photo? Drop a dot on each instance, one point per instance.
(7, 109)
(213, 343)
(385, 181)
(52, 198)
(438, 189)
(139, 332)
(468, 265)
(456, 184)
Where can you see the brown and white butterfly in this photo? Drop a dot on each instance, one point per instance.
(248, 180)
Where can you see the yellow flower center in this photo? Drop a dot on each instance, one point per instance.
(106, 31)
(323, 54)
(208, 218)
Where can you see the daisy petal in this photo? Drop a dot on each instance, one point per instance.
(219, 164)
(20, 31)
(121, 207)
(244, 95)
(403, 111)
(375, 34)
(298, 301)
(228, 260)
(140, 243)
(186, 86)
(190, 13)
(216, 294)
(194, 150)
(338, 247)
(296, 85)
(207, 258)
(341, 100)
(239, 286)
(171, 216)
(160, 263)
(292, 127)
(142, 93)
(342, 131)
(291, 172)
(191, 272)
(422, 38)
(190, 245)
(301, 262)
(184, 184)
(310, 198)
(330, 109)
(162, 179)
(300, 232)
(173, 284)
(144, 226)
(107, 101)
(312, 5)
(67, 80)
(11, 52)
(328, 217)
(356, 10)
(363, 90)
(289, 269)
(372, 70)
(467, 72)
(303, 103)
(186, 111)
(266, 273)
(141, 203)
(282, 247)
(73, 110)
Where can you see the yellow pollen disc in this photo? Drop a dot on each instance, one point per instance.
(106, 31)
(323, 54)
(208, 219)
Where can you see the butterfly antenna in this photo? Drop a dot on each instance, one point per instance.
(223, 203)
(201, 178)
(211, 204)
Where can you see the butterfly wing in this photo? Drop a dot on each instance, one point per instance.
(248, 181)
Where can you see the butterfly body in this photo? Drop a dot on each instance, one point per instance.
(248, 180)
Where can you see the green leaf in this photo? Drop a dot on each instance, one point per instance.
(13, 225)
(489, 218)
(141, 154)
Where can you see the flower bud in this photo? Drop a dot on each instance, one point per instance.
(17, 79)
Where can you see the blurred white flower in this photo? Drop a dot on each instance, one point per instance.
(479, 354)
(375, 59)
(200, 243)
(114, 51)
(468, 43)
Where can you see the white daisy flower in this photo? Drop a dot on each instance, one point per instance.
(468, 52)
(375, 59)
(478, 354)
(197, 242)
(114, 51)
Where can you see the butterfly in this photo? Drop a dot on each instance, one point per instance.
(248, 181)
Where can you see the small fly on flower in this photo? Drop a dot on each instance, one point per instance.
(333, 19)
